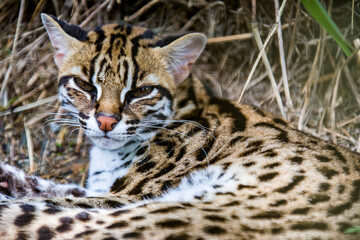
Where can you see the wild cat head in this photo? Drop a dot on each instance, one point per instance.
(120, 80)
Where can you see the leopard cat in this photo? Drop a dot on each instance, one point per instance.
(172, 162)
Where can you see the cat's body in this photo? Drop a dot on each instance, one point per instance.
(194, 166)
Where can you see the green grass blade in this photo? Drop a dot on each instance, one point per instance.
(353, 230)
(320, 15)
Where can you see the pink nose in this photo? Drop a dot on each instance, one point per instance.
(106, 123)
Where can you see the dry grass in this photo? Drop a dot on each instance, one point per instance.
(323, 96)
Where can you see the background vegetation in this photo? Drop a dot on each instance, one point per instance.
(315, 86)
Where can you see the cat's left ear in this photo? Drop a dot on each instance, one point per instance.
(65, 38)
(182, 53)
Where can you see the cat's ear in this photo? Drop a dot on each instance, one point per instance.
(65, 38)
(182, 53)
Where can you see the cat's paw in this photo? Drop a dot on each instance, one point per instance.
(13, 182)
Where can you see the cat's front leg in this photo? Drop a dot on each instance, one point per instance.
(15, 184)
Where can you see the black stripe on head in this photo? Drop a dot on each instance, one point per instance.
(164, 92)
(112, 40)
(72, 30)
(148, 34)
(100, 38)
(134, 52)
(126, 72)
(64, 80)
(92, 67)
(165, 41)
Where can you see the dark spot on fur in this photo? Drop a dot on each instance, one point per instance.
(171, 223)
(214, 230)
(65, 224)
(84, 205)
(255, 144)
(205, 149)
(278, 203)
(83, 216)
(146, 167)
(180, 154)
(267, 215)
(113, 204)
(166, 210)
(165, 170)
(282, 136)
(27, 208)
(296, 159)
(45, 233)
(327, 172)
(272, 165)
(22, 236)
(132, 235)
(137, 218)
(277, 230)
(236, 139)
(233, 203)
(166, 185)
(308, 225)
(336, 153)
(24, 219)
(247, 153)
(141, 151)
(119, 185)
(322, 158)
(109, 238)
(119, 212)
(181, 236)
(248, 164)
(341, 189)
(242, 186)
(120, 224)
(295, 181)
(268, 176)
(52, 210)
(323, 187)
(301, 211)
(50, 203)
(85, 233)
(317, 198)
(246, 228)
(280, 121)
(215, 218)
(229, 110)
(343, 226)
(138, 188)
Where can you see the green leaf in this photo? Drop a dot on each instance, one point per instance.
(353, 230)
(320, 15)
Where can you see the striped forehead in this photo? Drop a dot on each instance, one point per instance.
(113, 36)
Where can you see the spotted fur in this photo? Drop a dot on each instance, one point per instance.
(205, 168)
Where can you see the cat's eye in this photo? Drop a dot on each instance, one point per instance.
(85, 86)
(138, 92)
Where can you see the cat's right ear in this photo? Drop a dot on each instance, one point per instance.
(61, 37)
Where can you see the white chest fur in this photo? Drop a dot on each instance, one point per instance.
(107, 166)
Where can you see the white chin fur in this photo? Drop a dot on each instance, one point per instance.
(107, 143)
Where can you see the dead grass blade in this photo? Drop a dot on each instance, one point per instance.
(13, 53)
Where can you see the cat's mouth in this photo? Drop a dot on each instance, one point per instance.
(108, 143)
